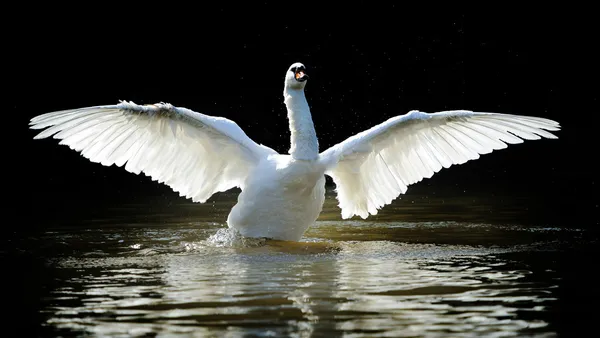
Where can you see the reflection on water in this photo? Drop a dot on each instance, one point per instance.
(130, 278)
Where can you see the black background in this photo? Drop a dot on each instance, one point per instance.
(366, 65)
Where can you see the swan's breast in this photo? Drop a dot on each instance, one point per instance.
(292, 173)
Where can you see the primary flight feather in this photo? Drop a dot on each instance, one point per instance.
(282, 195)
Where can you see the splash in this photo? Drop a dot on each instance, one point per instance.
(231, 238)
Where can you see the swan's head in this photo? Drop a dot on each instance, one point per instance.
(296, 77)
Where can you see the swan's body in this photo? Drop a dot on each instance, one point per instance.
(282, 195)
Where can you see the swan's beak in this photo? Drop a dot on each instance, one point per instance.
(300, 75)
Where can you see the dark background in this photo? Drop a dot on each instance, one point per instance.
(366, 65)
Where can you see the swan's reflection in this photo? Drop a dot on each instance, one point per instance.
(251, 289)
(305, 289)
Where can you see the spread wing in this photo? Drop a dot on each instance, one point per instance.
(195, 154)
(375, 166)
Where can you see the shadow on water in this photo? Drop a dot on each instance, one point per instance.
(409, 271)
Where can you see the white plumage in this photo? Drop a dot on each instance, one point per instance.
(373, 167)
(195, 154)
(282, 195)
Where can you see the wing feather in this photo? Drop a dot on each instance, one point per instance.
(195, 154)
(374, 167)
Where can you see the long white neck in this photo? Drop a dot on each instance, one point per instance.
(305, 145)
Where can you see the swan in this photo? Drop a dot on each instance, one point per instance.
(282, 195)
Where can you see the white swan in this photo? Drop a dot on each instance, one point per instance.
(282, 195)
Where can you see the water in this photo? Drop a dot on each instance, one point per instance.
(173, 269)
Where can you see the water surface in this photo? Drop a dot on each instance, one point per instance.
(463, 267)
